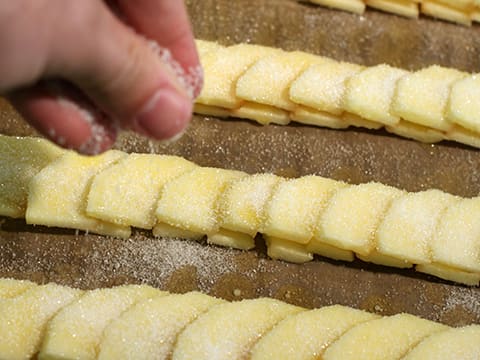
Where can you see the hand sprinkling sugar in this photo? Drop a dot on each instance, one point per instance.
(79, 71)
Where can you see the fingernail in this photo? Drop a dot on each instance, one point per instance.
(165, 115)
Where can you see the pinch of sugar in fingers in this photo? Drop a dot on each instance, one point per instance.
(190, 79)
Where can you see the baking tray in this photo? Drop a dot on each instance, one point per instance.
(89, 261)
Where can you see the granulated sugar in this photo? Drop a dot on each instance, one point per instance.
(143, 257)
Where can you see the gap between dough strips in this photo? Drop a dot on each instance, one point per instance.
(462, 12)
(436, 232)
(140, 322)
(272, 86)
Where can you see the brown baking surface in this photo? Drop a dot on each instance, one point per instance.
(90, 261)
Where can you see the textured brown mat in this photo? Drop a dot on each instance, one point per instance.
(89, 261)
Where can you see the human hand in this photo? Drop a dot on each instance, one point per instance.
(79, 70)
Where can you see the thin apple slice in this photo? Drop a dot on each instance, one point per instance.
(460, 343)
(422, 96)
(407, 8)
(75, 332)
(370, 92)
(222, 70)
(413, 131)
(386, 338)
(10, 288)
(229, 331)
(449, 273)
(148, 330)
(409, 224)
(25, 317)
(139, 178)
(204, 47)
(293, 211)
(352, 215)
(268, 81)
(463, 106)
(306, 335)
(242, 210)
(446, 12)
(455, 242)
(287, 250)
(322, 86)
(189, 202)
(58, 194)
(355, 6)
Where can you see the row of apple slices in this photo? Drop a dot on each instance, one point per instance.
(110, 193)
(269, 85)
(139, 322)
(458, 11)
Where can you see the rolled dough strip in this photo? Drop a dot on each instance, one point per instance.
(139, 322)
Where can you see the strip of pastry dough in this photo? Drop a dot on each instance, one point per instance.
(297, 217)
(429, 105)
(117, 324)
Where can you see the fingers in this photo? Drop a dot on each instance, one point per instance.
(118, 70)
(62, 114)
(166, 22)
(109, 64)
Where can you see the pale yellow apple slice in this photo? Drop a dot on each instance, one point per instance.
(358, 121)
(444, 12)
(355, 6)
(228, 331)
(475, 15)
(400, 7)
(407, 229)
(460, 343)
(464, 136)
(306, 335)
(189, 202)
(309, 116)
(421, 97)
(386, 338)
(242, 210)
(223, 68)
(127, 192)
(413, 131)
(287, 250)
(456, 239)
(204, 47)
(268, 81)
(24, 318)
(148, 330)
(211, 110)
(320, 248)
(58, 194)
(382, 259)
(369, 93)
(449, 273)
(10, 288)
(293, 211)
(465, 5)
(263, 114)
(20, 160)
(353, 214)
(322, 86)
(75, 331)
(464, 104)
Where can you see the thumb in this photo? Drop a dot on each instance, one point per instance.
(121, 73)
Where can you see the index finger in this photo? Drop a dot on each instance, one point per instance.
(166, 22)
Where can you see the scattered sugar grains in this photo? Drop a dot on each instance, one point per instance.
(191, 79)
(145, 259)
